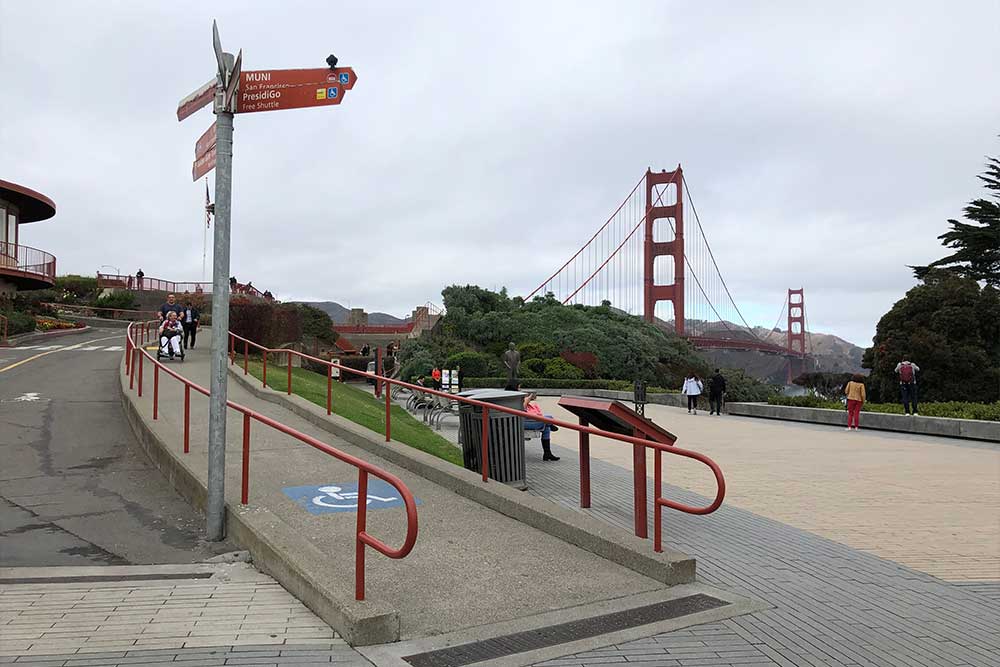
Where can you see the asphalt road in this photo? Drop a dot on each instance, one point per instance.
(75, 489)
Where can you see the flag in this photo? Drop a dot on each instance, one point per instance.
(209, 206)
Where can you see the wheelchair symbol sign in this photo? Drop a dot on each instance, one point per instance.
(329, 498)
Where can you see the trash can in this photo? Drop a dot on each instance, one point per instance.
(506, 435)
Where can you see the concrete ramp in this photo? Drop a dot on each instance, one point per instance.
(471, 566)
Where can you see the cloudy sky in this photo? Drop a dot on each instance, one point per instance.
(825, 144)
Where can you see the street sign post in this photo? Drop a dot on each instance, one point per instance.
(235, 91)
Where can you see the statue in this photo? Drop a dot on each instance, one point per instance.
(512, 361)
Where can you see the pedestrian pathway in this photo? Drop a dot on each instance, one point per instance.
(833, 605)
(219, 614)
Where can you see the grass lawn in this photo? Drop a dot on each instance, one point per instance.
(361, 408)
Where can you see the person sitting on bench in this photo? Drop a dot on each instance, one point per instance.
(544, 427)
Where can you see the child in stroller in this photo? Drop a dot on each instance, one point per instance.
(171, 331)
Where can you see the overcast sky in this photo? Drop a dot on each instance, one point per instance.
(825, 144)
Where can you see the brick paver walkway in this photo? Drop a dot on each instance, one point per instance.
(928, 503)
(833, 605)
(237, 617)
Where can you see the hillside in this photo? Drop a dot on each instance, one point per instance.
(340, 315)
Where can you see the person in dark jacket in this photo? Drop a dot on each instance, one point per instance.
(191, 317)
(716, 390)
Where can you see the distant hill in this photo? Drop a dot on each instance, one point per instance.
(832, 354)
(340, 315)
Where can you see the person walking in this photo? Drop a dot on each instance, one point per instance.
(191, 317)
(716, 389)
(692, 389)
(171, 306)
(907, 371)
(855, 392)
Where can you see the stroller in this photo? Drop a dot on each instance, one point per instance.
(165, 350)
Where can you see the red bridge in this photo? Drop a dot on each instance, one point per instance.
(618, 266)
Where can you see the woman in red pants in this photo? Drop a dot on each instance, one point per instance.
(855, 392)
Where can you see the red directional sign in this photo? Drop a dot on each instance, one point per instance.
(205, 142)
(196, 100)
(203, 164)
(273, 90)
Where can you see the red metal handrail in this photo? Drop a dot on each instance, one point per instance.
(148, 284)
(134, 355)
(27, 261)
(659, 448)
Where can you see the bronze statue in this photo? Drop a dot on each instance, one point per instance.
(512, 361)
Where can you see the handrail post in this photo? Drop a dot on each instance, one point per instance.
(187, 418)
(639, 490)
(657, 509)
(128, 349)
(359, 546)
(264, 374)
(485, 446)
(329, 389)
(585, 465)
(378, 372)
(388, 418)
(156, 390)
(141, 355)
(131, 370)
(289, 356)
(245, 490)
(246, 356)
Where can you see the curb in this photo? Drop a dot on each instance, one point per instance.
(943, 427)
(278, 551)
(669, 567)
(33, 336)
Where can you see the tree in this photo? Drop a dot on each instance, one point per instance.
(950, 327)
(976, 243)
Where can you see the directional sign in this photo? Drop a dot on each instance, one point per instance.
(204, 164)
(273, 90)
(205, 142)
(196, 100)
(329, 498)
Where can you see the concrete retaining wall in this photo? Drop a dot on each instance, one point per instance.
(940, 426)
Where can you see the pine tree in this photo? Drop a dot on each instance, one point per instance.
(977, 242)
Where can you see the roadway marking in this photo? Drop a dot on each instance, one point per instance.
(42, 354)
(28, 397)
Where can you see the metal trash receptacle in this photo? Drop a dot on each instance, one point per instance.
(506, 435)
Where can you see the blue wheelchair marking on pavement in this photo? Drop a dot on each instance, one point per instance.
(327, 498)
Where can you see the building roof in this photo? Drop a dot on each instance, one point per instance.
(32, 206)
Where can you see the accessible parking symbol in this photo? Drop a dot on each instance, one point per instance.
(327, 498)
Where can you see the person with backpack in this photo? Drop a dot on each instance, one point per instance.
(907, 371)
(716, 389)
(855, 392)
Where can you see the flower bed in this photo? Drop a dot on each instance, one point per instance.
(53, 324)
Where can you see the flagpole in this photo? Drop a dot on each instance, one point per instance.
(204, 234)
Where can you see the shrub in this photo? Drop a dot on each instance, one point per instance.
(269, 324)
(420, 363)
(536, 350)
(120, 300)
(742, 387)
(19, 322)
(76, 289)
(951, 409)
(317, 323)
(472, 363)
(552, 383)
(536, 366)
(562, 369)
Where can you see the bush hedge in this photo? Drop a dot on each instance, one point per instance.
(950, 409)
(551, 383)
(18, 322)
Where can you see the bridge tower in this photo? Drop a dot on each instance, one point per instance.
(653, 293)
(796, 333)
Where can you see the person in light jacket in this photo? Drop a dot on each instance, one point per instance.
(855, 392)
(692, 389)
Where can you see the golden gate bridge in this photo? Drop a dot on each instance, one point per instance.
(644, 256)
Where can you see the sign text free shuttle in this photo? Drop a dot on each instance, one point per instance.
(273, 90)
